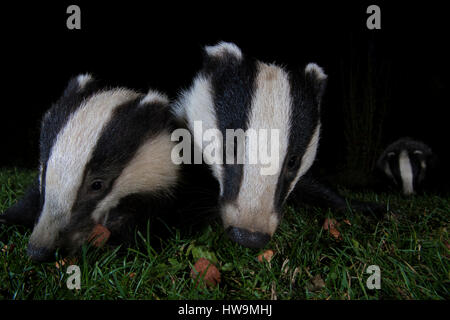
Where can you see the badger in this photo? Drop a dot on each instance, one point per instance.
(234, 93)
(101, 150)
(407, 164)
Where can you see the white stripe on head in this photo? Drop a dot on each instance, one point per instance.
(197, 105)
(68, 157)
(270, 109)
(406, 172)
(150, 170)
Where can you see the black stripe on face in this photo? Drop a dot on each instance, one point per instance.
(233, 83)
(304, 120)
(415, 165)
(417, 169)
(420, 173)
(393, 162)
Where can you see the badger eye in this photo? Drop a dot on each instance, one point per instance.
(292, 162)
(96, 185)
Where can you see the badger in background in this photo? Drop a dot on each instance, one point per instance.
(235, 92)
(408, 165)
(104, 159)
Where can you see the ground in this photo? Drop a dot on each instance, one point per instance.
(410, 246)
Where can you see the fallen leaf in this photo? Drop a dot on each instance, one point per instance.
(347, 222)
(335, 233)
(132, 275)
(205, 270)
(9, 248)
(267, 255)
(329, 223)
(62, 262)
(99, 235)
(316, 283)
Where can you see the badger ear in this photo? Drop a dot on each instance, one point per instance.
(155, 107)
(316, 81)
(155, 97)
(79, 84)
(221, 52)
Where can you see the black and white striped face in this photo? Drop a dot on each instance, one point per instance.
(405, 163)
(264, 101)
(96, 148)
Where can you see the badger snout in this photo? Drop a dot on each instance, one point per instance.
(248, 238)
(249, 227)
(40, 254)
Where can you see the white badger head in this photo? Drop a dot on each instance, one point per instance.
(97, 147)
(276, 113)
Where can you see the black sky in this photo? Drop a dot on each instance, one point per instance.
(159, 46)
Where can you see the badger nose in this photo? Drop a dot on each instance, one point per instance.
(39, 254)
(247, 238)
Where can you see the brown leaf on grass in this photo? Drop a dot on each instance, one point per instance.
(267, 255)
(335, 233)
(331, 225)
(206, 271)
(99, 235)
(316, 283)
(132, 275)
(8, 248)
(347, 222)
(62, 262)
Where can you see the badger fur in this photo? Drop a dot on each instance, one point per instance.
(101, 150)
(235, 92)
(408, 165)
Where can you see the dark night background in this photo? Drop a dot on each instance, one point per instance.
(383, 84)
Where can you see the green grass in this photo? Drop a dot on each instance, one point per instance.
(409, 246)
